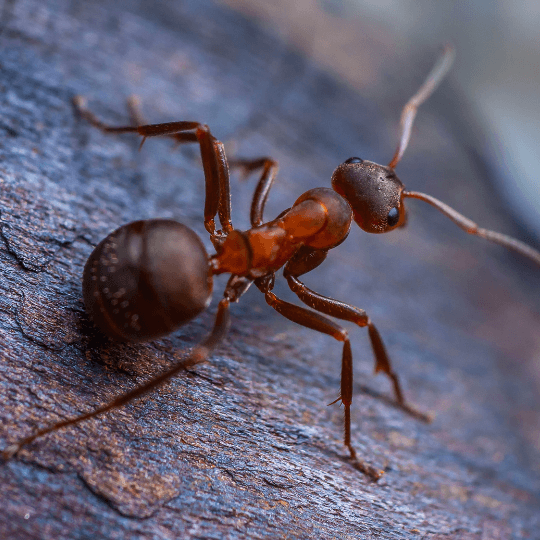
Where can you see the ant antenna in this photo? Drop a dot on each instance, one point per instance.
(409, 111)
(471, 227)
(406, 122)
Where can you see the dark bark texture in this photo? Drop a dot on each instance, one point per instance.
(245, 446)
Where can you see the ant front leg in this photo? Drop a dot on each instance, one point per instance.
(307, 259)
(315, 321)
(269, 171)
(215, 165)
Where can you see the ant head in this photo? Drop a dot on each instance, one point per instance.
(374, 192)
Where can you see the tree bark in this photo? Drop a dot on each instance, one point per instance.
(245, 446)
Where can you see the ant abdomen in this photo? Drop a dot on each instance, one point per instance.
(146, 279)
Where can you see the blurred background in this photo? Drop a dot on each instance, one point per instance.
(497, 67)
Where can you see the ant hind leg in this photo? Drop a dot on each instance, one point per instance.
(199, 354)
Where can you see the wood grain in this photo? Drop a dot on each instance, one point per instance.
(245, 447)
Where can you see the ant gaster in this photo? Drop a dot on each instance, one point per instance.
(149, 277)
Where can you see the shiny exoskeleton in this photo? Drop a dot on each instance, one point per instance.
(139, 284)
(148, 278)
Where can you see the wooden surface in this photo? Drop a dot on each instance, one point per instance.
(245, 447)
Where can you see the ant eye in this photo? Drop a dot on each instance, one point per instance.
(393, 217)
(354, 160)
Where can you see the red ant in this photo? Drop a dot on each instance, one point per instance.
(149, 277)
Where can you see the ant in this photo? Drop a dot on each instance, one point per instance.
(150, 277)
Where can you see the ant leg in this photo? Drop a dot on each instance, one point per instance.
(270, 169)
(215, 165)
(310, 319)
(305, 260)
(199, 354)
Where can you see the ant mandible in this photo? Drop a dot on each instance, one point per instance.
(149, 277)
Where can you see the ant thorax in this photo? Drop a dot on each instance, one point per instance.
(320, 219)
